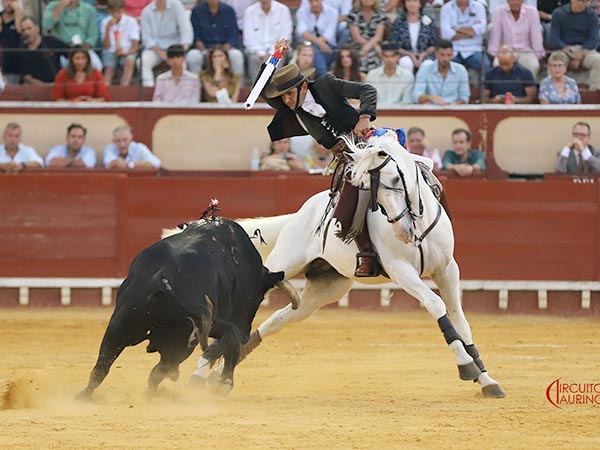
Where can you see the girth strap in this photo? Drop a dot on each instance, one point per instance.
(419, 239)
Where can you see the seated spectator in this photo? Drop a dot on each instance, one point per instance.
(280, 157)
(319, 158)
(443, 82)
(79, 81)
(177, 85)
(393, 83)
(304, 57)
(317, 25)
(346, 65)
(416, 34)
(578, 156)
(14, 156)
(38, 61)
(343, 8)
(219, 83)
(164, 23)
(10, 27)
(545, 10)
(574, 30)
(264, 22)
(464, 22)
(367, 23)
(518, 26)
(214, 23)
(74, 22)
(509, 82)
(124, 153)
(493, 5)
(74, 154)
(461, 159)
(557, 87)
(418, 145)
(121, 40)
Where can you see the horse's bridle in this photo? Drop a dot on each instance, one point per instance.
(375, 183)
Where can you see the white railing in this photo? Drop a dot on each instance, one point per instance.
(503, 287)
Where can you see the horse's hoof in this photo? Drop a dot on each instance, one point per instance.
(223, 389)
(214, 378)
(197, 381)
(469, 371)
(493, 391)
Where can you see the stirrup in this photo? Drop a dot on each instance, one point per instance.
(367, 265)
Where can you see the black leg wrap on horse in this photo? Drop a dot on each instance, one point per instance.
(448, 329)
(473, 353)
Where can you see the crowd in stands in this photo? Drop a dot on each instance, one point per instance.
(413, 51)
(122, 153)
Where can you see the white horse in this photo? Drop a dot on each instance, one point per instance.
(412, 235)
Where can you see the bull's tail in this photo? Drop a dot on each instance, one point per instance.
(228, 343)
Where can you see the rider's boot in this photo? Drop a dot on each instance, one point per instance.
(367, 264)
(446, 204)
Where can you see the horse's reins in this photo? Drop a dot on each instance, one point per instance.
(375, 183)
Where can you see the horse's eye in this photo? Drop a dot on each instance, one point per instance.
(382, 153)
(396, 180)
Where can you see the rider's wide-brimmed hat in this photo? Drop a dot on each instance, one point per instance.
(286, 79)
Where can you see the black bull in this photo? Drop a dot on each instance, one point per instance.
(207, 281)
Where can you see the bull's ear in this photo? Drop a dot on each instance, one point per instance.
(271, 278)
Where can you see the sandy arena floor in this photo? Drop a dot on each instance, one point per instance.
(340, 380)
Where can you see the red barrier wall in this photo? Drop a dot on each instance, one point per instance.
(92, 224)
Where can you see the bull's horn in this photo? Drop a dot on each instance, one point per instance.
(291, 291)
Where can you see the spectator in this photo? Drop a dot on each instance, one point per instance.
(79, 81)
(574, 30)
(443, 82)
(493, 5)
(343, 8)
(10, 27)
(416, 34)
(280, 157)
(264, 22)
(124, 153)
(461, 159)
(464, 23)
(418, 145)
(121, 39)
(74, 153)
(164, 23)
(578, 156)
(367, 26)
(74, 22)
(545, 10)
(214, 22)
(518, 26)
(509, 82)
(304, 57)
(317, 24)
(393, 83)
(219, 83)
(38, 62)
(319, 158)
(177, 85)
(346, 65)
(14, 156)
(557, 87)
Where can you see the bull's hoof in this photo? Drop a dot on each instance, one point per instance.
(83, 396)
(493, 391)
(174, 374)
(214, 378)
(469, 371)
(197, 381)
(223, 389)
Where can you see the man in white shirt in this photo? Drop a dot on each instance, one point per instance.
(318, 24)
(343, 8)
(265, 22)
(125, 154)
(464, 22)
(14, 156)
(73, 154)
(394, 84)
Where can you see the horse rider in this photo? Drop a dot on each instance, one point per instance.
(319, 108)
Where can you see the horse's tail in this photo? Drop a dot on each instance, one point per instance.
(264, 231)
